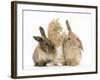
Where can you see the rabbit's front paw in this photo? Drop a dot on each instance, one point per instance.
(50, 64)
(59, 64)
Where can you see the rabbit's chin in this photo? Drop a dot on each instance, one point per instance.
(61, 33)
(73, 47)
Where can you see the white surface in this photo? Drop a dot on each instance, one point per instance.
(5, 43)
(82, 21)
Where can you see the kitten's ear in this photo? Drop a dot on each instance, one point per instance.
(57, 19)
(53, 21)
(37, 38)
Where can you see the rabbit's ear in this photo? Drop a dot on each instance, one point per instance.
(81, 46)
(42, 32)
(68, 26)
(37, 38)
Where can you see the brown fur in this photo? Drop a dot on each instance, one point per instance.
(45, 51)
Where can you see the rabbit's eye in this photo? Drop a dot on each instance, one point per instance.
(52, 47)
(46, 44)
(68, 38)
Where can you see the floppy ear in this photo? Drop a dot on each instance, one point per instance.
(42, 32)
(81, 46)
(37, 38)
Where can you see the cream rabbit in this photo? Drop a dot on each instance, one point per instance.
(44, 53)
(72, 47)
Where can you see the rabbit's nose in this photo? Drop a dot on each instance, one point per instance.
(73, 44)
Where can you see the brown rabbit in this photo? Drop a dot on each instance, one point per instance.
(72, 47)
(45, 51)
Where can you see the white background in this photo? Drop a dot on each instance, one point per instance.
(33, 19)
(5, 41)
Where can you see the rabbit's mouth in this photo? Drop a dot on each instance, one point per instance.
(59, 31)
(73, 46)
